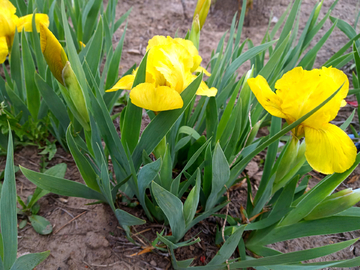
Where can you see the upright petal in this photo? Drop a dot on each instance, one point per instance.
(301, 91)
(157, 40)
(125, 83)
(190, 47)
(25, 22)
(297, 90)
(329, 149)
(267, 98)
(162, 98)
(3, 49)
(6, 4)
(8, 19)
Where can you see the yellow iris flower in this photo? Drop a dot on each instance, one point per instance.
(9, 22)
(328, 148)
(169, 69)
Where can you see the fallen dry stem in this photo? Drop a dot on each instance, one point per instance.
(71, 220)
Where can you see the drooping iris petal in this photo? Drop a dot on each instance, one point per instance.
(124, 83)
(329, 149)
(54, 54)
(203, 89)
(201, 69)
(162, 98)
(267, 98)
(25, 22)
(3, 49)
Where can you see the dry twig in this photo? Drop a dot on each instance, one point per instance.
(71, 220)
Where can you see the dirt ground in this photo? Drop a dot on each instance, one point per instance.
(93, 240)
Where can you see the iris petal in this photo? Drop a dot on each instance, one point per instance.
(25, 22)
(162, 98)
(267, 98)
(125, 83)
(329, 149)
(3, 49)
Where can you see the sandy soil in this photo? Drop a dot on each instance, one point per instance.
(94, 240)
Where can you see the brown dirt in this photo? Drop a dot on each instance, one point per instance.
(94, 240)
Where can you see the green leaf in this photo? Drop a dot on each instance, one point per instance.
(133, 115)
(192, 200)
(306, 203)
(89, 18)
(162, 123)
(310, 55)
(110, 137)
(228, 247)
(15, 66)
(211, 119)
(38, 193)
(55, 104)
(227, 113)
(340, 52)
(346, 29)
(113, 72)
(220, 175)
(168, 203)
(8, 214)
(29, 261)
(72, 52)
(126, 219)
(18, 104)
(85, 168)
(293, 257)
(122, 19)
(32, 92)
(231, 70)
(336, 224)
(94, 49)
(61, 186)
(189, 131)
(275, 59)
(145, 176)
(41, 225)
(40, 60)
(348, 121)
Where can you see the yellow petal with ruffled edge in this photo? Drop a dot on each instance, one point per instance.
(267, 98)
(301, 91)
(190, 47)
(173, 62)
(157, 40)
(124, 83)
(204, 90)
(8, 18)
(329, 149)
(6, 4)
(53, 52)
(25, 22)
(162, 98)
(3, 49)
(201, 69)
